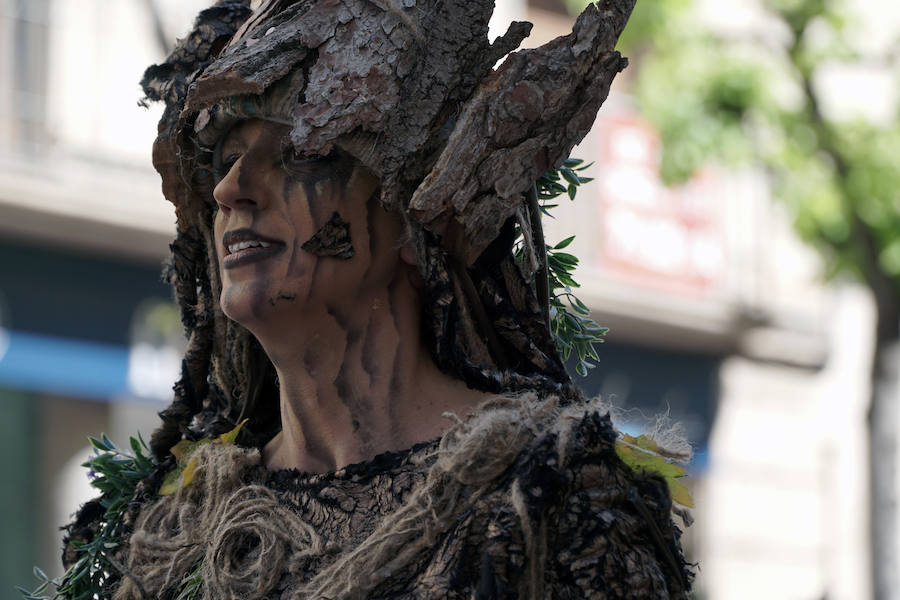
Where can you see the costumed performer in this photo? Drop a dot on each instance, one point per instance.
(350, 179)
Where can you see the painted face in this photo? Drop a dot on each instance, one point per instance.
(291, 231)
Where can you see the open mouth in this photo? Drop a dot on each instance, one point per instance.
(238, 246)
(245, 246)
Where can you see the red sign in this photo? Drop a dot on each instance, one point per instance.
(653, 235)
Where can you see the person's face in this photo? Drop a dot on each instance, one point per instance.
(271, 203)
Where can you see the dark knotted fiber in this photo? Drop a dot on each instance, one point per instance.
(250, 545)
(246, 540)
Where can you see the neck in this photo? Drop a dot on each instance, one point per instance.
(358, 382)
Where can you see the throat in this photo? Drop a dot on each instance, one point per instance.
(358, 385)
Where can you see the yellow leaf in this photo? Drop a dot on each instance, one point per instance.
(680, 493)
(171, 483)
(641, 460)
(230, 436)
(184, 449)
(179, 477)
(642, 441)
(183, 474)
(188, 475)
(639, 454)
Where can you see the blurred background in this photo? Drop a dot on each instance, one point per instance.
(741, 239)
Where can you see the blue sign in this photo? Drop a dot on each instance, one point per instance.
(53, 365)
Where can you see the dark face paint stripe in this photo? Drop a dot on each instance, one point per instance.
(395, 386)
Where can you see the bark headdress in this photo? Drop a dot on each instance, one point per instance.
(408, 88)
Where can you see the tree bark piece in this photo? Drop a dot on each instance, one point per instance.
(406, 86)
(332, 239)
(509, 132)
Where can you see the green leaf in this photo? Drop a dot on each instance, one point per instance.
(567, 259)
(557, 188)
(192, 583)
(581, 309)
(564, 278)
(583, 167)
(231, 436)
(641, 454)
(117, 476)
(569, 176)
(571, 326)
(564, 243)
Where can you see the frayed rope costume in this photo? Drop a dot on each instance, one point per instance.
(526, 497)
(524, 500)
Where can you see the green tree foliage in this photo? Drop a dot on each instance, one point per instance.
(755, 96)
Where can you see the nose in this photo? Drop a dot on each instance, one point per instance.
(237, 190)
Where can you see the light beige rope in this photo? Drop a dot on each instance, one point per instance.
(252, 546)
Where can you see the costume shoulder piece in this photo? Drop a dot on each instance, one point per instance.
(523, 500)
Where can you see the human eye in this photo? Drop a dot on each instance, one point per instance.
(309, 168)
(296, 163)
(227, 152)
(222, 164)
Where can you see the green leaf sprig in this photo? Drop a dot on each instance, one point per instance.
(192, 584)
(116, 474)
(570, 322)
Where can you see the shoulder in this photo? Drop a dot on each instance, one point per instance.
(599, 529)
(522, 499)
(611, 533)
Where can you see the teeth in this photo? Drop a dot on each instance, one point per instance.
(232, 248)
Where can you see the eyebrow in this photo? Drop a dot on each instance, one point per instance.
(217, 153)
(230, 138)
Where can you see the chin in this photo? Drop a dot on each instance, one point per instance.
(245, 305)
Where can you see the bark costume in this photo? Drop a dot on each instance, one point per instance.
(524, 499)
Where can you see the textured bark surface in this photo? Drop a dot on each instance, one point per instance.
(525, 499)
(332, 239)
(523, 119)
(407, 87)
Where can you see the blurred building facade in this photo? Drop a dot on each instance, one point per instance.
(716, 312)
(718, 317)
(89, 338)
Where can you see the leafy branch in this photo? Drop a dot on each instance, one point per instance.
(573, 329)
(116, 474)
